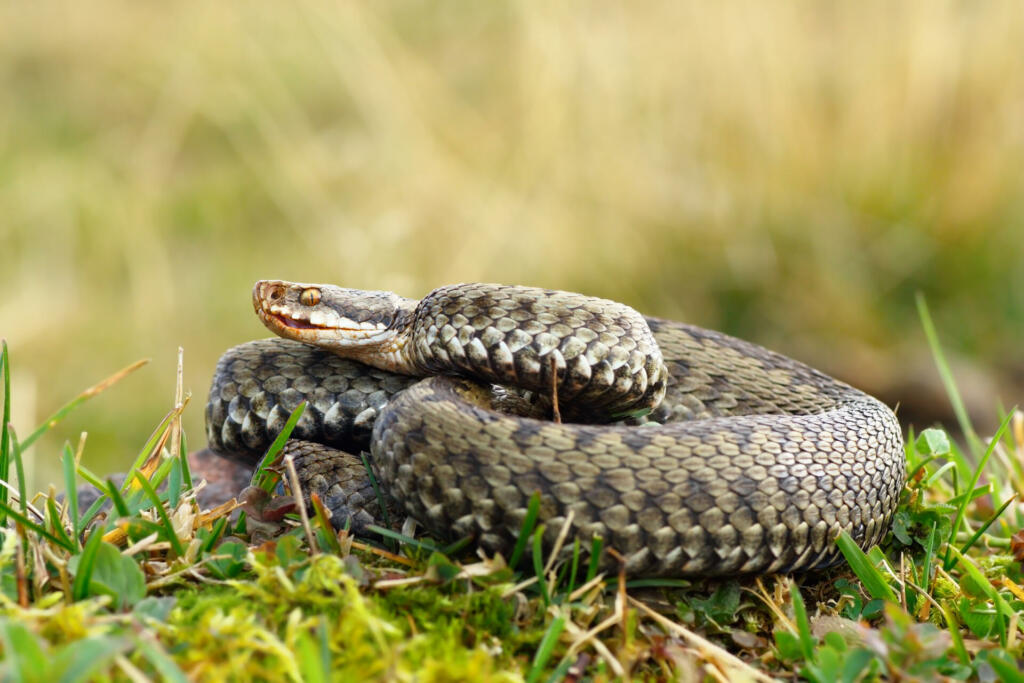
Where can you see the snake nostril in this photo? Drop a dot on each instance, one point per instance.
(275, 293)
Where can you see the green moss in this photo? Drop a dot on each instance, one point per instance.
(417, 632)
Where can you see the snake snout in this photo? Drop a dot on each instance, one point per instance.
(266, 292)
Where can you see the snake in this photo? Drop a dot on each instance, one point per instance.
(687, 452)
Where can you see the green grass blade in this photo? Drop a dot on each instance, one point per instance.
(953, 628)
(19, 468)
(139, 527)
(166, 667)
(71, 488)
(86, 564)
(91, 478)
(1006, 671)
(215, 533)
(377, 492)
(984, 527)
(323, 518)
(912, 475)
(803, 624)
(529, 521)
(595, 558)
(95, 389)
(163, 472)
(161, 511)
(946, 374)
(24, 520)
(865, 570)
(456, 547)
(117, 499)
(575, 568)
(83, 659)
(545, 649)
(174, 482)
(538, 564)
(962, 508)
(559, 674)
(658, 583)
(309, 659)
(53, 517)
(939, 474)
(94, 509)
(403, 539)
(558, 582)
(973, 495)
(260, 477)
(186, 471)
(25, 660)
(1002, 607)
(929, 554)
(5, 463)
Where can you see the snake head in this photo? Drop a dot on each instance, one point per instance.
(365, 325)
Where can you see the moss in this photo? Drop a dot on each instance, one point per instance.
(419, 633)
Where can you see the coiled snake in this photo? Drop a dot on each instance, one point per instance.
(746, 462)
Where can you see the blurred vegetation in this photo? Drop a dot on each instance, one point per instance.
(790, 172)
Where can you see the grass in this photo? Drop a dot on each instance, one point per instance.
(788, 172)
(156, 589)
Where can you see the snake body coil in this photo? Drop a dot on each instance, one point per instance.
(750, 462)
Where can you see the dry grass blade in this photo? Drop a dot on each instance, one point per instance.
(589, 638)
(179, 405)
(293, 479)
(95, 389)
(735, 668)
(562, 535)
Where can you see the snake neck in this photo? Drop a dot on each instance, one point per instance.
(393, 350)
(395, 354)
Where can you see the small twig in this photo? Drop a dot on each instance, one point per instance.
(293, 476)
(556, 416)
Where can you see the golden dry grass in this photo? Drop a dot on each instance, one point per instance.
(789, 171)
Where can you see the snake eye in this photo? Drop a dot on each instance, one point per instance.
(310, 297)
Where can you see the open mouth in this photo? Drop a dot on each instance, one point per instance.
(295, 324)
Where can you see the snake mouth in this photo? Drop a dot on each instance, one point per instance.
(296, 324)
(303, 329)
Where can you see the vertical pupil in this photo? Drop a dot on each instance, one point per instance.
(310, 297)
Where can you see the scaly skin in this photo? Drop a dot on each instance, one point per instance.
(760, 463)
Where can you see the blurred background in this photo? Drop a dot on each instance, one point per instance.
(789, 172)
